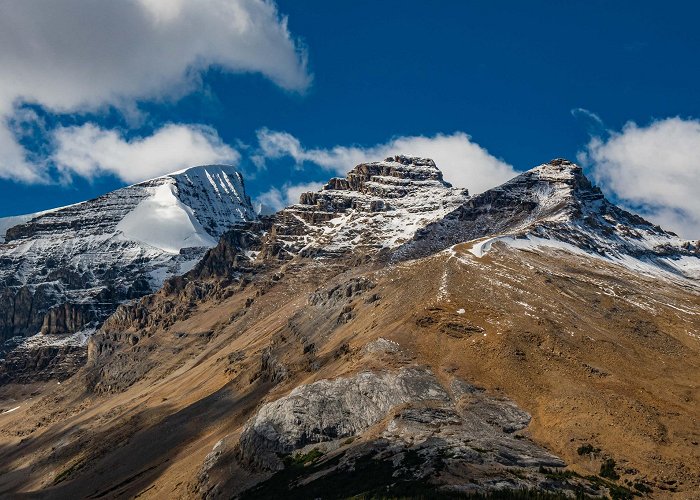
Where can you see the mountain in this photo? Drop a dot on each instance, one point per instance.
(391, 336)
(377, 207)
(63, 271)
(555, 205)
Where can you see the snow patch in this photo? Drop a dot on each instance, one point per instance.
(77, 339)
(669, 267)
(163, 221)
(481, 247)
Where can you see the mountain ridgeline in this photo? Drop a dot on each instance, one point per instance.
(388, 335)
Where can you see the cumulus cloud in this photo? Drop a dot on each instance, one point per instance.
(13, 161)
(463, 162)
(89, 151)
(653, 169)
(288, 194)
(75, 55)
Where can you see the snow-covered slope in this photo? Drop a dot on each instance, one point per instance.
(378, 206)
(401, 208)
(191, 208)
(65, 269)
(554, 205)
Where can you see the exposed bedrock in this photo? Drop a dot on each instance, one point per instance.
(330, 410)
(41, 363)
(387, 427)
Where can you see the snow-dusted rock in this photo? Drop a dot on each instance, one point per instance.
(376, 206)
(554, 205)
(67, 268)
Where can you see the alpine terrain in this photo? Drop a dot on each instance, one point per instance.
(62, 272)
(389, 336)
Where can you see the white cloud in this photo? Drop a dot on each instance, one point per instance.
(289, 194)
(13, 162)
(463, 162)
(75, 55)
(653, 169)
(89, 151)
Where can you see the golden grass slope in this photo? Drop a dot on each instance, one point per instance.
(595, 353)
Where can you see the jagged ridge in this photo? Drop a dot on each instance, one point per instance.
(378, 206)
(401, 209)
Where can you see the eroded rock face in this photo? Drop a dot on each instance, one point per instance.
(404, 424)
(340, 293)
(66, 318)
(332, 409)
(392, 178)
(376, 206)
(42, 363)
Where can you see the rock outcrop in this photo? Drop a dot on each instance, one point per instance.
(42, 363)
(404, 424)
(331, 409)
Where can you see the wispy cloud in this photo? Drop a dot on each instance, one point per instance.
(578, 112)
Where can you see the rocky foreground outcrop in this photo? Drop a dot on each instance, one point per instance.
(405, 425)
(328, 410)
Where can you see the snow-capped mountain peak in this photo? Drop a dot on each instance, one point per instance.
(190, 208)
(55, 264)
(556, 205)
(378, 205)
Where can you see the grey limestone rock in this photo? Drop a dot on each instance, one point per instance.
(332, 409)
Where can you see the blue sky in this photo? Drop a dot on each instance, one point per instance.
(493, 87)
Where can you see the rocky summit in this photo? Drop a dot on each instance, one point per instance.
(389, 336)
